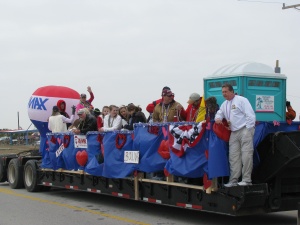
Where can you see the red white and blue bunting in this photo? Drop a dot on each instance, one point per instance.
(181, 136)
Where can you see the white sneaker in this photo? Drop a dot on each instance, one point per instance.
(244, 183)
(231, 184)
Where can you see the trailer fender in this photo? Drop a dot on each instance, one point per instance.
(15, 174)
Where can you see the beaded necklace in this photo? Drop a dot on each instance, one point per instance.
(192, 118)
(110, 123)
(165, 112)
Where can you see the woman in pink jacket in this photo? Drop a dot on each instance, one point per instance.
(83, 103)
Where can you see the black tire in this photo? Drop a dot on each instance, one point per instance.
(31, 176)
(3, 172)
(15, 174)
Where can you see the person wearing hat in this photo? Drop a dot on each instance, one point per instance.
(61, 104)
(87, 122)
(168, 109)
(99, 118)
(150, 107)
(58, 123)
(83, 103)
(192, 110)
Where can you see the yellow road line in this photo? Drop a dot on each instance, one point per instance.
(11, 192)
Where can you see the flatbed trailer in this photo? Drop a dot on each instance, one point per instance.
(276, 182)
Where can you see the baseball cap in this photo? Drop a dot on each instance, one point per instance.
(55, 109)
(166, 88)
(193, 97)
(168, 93)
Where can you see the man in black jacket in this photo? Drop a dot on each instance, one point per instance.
(87, 122)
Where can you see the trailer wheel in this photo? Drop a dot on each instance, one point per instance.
(15, 174)
(3, 172)
(30, 176)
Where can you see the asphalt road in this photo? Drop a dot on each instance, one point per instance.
(66, 207)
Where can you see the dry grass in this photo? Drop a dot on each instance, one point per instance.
(15, 149)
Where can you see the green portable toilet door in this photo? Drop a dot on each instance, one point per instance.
(267, 97)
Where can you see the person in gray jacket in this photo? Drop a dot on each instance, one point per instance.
(87, 123)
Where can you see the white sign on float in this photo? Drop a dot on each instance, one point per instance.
(59, 150)
(131, 157)
(80, 141)
(264, 103)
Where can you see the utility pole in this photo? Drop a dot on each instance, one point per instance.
(18, 122)
(290, 6)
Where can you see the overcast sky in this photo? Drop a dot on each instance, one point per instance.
(127, 50)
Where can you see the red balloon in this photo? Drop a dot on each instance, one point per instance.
(163, 149)
(81, 157)
(222, 130)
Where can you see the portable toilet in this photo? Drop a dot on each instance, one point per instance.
(265, 89)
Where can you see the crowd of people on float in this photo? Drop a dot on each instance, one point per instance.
(235, 110)
(165, 109)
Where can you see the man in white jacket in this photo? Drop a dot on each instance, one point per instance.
(241, 119)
